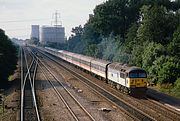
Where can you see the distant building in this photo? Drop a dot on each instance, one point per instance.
(35, 32)
(52, 34)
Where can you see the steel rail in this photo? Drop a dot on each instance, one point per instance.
(57, 92)
(134, 111)
(33, 92)
(23, 82)
(170, 113)
(32, 85)
(21, 112)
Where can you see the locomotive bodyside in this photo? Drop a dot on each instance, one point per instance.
(129, 79)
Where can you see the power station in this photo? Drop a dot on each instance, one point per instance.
(46, 34)
(35, 32)
(52, 34)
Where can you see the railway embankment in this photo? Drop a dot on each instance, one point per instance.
(9, 107)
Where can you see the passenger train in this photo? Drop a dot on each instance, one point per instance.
(129, 79)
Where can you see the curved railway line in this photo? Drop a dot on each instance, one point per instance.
(152, 109)
(72, 104)
(28, 108)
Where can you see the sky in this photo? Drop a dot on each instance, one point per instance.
(17, 16)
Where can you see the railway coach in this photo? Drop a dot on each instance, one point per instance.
(99, 67)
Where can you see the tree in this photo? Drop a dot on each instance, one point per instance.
(165, 69)
(174, 46)
(157, 24)
(8, 58)
(151, 52)
(77, 31)
(75, 39)
(115, 16)
(90, 39)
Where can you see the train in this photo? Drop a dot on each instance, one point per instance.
(131, 80)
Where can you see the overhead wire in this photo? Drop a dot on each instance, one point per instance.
(18, 29)
(25, 20)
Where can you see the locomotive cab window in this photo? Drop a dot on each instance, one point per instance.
(137, 74)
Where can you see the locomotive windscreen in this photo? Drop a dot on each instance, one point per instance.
(137, 74)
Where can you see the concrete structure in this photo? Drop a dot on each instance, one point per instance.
(35, 32)
(52, 34)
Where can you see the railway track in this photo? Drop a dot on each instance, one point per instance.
(130, 110)
(162, 109)
(76, 109)
(155, 110)
(29, 110)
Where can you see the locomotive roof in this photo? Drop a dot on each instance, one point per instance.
(123, 67)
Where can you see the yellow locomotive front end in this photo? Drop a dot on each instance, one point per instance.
(137, 82)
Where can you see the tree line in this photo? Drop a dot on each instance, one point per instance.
(8, 59)
(144, 33)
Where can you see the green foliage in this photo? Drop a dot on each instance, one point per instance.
(174, 46)
(165, 69)
(8, 58)
(171, 89)
(136, 56)
(115, 16)
(78, 30)
(144, 33)
(169, 71)
(61, 46)
(74, 41)
(177, 86)
(151, 53)
(91, 50)
(157, 25)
